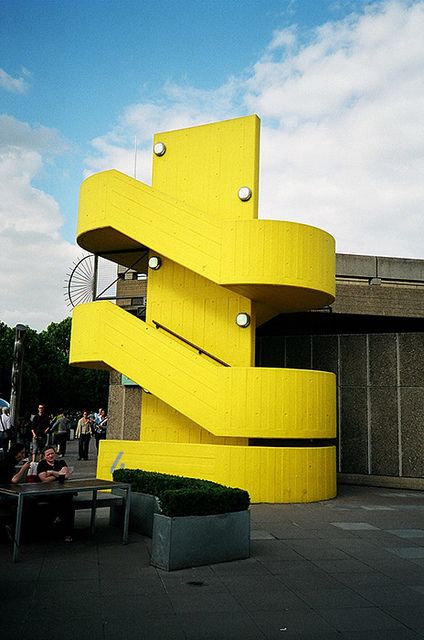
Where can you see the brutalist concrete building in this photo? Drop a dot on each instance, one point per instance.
(372, 338)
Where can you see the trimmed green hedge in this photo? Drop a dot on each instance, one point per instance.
(180, 496)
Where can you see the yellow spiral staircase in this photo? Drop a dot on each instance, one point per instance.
(216, 273)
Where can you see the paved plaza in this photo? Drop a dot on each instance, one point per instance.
(350, 568)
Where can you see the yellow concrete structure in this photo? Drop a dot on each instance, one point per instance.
(215, 273)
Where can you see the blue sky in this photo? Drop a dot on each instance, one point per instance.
(338, 86)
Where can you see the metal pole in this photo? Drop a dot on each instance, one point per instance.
(18, 357)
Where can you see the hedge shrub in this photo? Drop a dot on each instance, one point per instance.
(181, 496)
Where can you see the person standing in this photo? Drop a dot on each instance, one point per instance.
(83, 432)
(60, 428)
(5, 429)
(39, 428)
(100, 427)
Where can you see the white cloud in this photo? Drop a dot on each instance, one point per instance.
(180, 106)
(345, 149)
(342, 137)
(14, 85)
(33, 256)
(15, 134)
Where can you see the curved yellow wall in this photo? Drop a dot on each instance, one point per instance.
(217, 260)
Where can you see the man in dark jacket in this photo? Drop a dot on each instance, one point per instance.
(40, 428)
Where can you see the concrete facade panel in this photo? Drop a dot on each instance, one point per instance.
(383, 360)
(400, 268)
(353, 360)
(384, 431)
(354, 430)
(411, 357)
(356, 266)
(325, 353)
(412, 412)
(298, 352)
(379, 300)
(270, 351)
(124, 410)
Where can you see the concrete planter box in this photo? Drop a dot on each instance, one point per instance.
(191, 541)
(142, 509)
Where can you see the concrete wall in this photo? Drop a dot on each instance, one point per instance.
(380, 395)
(357, 266)
(124, 407)
(387, 299)
(124, 410)
(371, 285)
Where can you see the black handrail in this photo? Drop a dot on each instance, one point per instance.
(190, 344)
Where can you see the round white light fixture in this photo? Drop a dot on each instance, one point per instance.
(243, 320)
(244, 193)
(159, 149)
(145, 390)
(155, 263)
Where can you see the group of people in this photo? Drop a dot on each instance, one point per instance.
(42, 455)
(42, 429)
(14, 469)
(88, 426)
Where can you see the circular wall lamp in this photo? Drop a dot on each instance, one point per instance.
(145, 390)
(243, 320)
(159, 149)
(244, 193)
(155, 263)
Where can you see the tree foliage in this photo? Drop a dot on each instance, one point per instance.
(47, 376)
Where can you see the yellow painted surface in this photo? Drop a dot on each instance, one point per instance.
(269, 474)
(217, 260)
(248, 402)
(200, 311)
(163, 423)
(184, 235)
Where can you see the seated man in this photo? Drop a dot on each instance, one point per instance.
(51, 470)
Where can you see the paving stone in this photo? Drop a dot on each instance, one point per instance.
(361, 619)
(150, 628)
(294, 624)
(260, 534)
(353, 526)
(282, 600)
(225, 626)
(408, 552)
(306, 579)
(407, 533)
(203, 601)
(336, 597)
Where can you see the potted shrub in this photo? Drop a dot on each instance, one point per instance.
(143, 506)
(193, 522)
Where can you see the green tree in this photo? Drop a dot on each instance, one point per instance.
(46, 374)
(6, 351)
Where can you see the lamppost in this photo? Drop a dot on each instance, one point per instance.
(18, 357)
